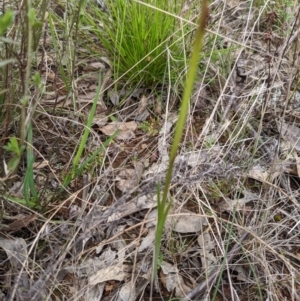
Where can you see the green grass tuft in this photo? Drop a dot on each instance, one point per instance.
(140, 39)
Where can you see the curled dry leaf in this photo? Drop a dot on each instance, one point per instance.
(137, 204)
(128, 179)
(16, 250)
(207, 245)
(163, 146)
(257, 172)
(126, 129)
(242, 274)
(172, 280)
(205, 242)
(238, 204)
(115, 272)
(40, 165)
(148, 240)
(297, 165)
(290, 133)
(95, 292)
(186, 223)
(127, 292)
(94, 66)
(142, 113)
(20, 223)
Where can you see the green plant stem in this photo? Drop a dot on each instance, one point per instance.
(29, 191)
(88, 126)
(186, 96)
(24, 100)
(162, 207)
(85, 135)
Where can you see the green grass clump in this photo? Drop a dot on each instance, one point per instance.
(142, 39)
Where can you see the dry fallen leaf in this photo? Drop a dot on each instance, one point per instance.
(136, 204)
(163, 147)
(242, 273)
(127, 292)
(142, 113)
(297, 164)
(230, 205)
(40, 165)
(207, 245)
(128, 179)
(116, 272)
(257, 172)
(95, 292)
(16, 250)
(290, 133)
(94, 66)
(20, 223)
(205, 242)
(188, 222)
(126, 129)
(17, 254)
(172, 280)
(148, 240)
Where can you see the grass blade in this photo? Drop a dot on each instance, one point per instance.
(162, 206)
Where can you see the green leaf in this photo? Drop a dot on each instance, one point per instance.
(88, 126)
(6, 62)
(5, 21)
(13, 146)
(38, 81)
(37, 25)
(8, 41)
(24, 100)
(21, 202)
